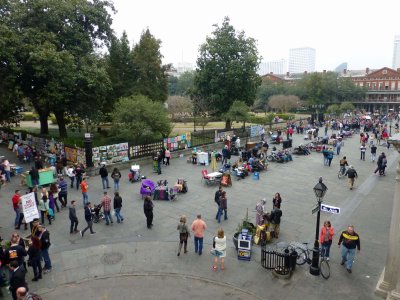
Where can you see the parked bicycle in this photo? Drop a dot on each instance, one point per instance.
(304, 254)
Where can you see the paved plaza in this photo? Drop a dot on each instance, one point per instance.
(129, 261)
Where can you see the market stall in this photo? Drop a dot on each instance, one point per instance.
(46, 177)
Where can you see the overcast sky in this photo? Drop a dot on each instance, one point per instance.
(359, 32)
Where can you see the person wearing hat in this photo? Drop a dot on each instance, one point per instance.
(260, 209)
(351, 173)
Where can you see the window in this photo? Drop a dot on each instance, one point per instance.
(368, 85)
(380, 85)
(374, 86)
(393, 85)
(384, 72)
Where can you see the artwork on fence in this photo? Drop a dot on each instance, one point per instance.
(255, 130)
(75, 155)
(136, 151)
(178, 142)
(221, 136)
(110, 154)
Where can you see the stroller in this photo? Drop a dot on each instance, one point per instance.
(134, 174)
(147, 188)
(97, 214)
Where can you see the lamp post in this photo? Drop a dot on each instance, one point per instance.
(319, 191)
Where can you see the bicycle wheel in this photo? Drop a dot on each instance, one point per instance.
(301, 256)
(324, 268)
(341, 174)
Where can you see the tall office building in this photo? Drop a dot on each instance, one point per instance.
(301, 60)
(273, 66)
(396, 52)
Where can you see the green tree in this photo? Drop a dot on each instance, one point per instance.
(227, 69)
(185, 83)
(283, 103)
(150, 75)
(347, 106)
(54, 44)
(238, 112)
(137, 116)
(179, 107)
(333, 109)
(120, 67)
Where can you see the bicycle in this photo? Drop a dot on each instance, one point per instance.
(303, 256)
(342, 172)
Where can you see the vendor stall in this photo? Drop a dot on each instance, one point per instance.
(202, 158)
(46, 177)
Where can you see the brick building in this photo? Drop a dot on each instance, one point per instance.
(383, 90)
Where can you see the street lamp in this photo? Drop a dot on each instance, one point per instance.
(319, 191)
(87, 124)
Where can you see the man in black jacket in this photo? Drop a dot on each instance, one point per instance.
(45, 245)
(34, 173)
(351, 173)
(89, 220)
(118, 207)
(73, 218)
(15, 253)
(17, 278)
(104, 176)
(276, 215)
(350, 241)
(217, 199)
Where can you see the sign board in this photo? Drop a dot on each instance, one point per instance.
(331, 209)
(88, 135)
(29, 207)
(315, 210)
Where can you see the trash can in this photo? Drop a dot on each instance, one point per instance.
(287, 144)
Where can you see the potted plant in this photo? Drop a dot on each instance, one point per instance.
(244, 224)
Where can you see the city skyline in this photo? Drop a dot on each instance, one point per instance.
(339, 31)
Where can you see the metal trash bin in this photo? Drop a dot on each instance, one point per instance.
(287, 144)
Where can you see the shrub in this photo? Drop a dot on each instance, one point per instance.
(29, 116)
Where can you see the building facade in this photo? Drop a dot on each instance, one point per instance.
(383, 90)
(302, 60)
(396, 52)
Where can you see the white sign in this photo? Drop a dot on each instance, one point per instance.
(29, 207)
(330, 209)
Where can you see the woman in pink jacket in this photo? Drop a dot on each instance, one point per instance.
(325, 238)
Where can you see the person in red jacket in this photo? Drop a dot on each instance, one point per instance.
(325, 238)
(15, 200)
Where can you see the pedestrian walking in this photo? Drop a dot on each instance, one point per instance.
(35, 258)
(148, 211)
(223, 207)
(71, 175)
(7, 170)
(338, 147)
(73, 218)
(277, 200)
(84, 188)
(15, 199)
(167, 156)
(44, 209)
(325, 238)
(183, 234)
(160, 159)
(78, 171)
(219, 250)
(349, 240)
(106, 204)
(17, 278)
(198, 227)
(362, 151)
(88, 219)
(373, 152)
(351, 174)
(329, 156)
(118, 207)
(116, 176)
(44, 236)
(53, 192)
(104, 176)
(63, 194)
(217, 197)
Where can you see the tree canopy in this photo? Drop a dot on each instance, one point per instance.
(227, 68)
(52, 53)
(138, 116)
(151, 78)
